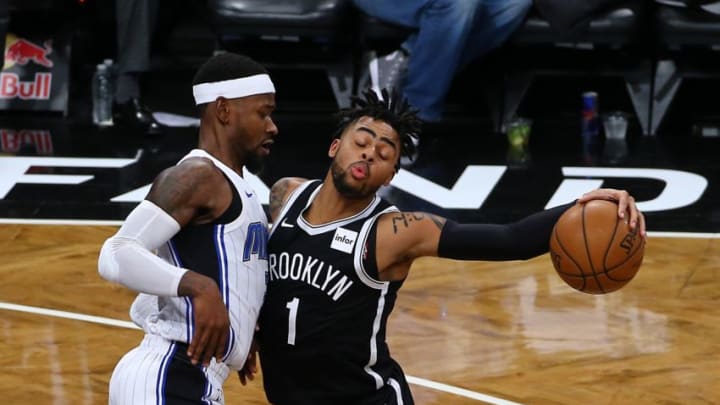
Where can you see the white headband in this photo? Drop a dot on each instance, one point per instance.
(234, 88)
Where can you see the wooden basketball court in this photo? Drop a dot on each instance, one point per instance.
(466, 333)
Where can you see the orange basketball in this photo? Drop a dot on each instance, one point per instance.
(593, 250)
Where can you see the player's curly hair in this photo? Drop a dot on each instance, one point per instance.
(391, 108)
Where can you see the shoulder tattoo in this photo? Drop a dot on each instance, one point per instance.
(277, 193)
(405, 219)
(180, 184)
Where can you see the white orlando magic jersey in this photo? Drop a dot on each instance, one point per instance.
(233, 252)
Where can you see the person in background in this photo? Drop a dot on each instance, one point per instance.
(448, 35)
(135, 23)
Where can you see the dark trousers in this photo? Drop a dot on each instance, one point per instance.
(135, 20)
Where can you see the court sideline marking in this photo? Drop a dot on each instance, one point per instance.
(94, 222)
(129, 325)
(126, 324)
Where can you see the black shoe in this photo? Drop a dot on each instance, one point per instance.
(410, 160)
(389, 71)
(132, 114)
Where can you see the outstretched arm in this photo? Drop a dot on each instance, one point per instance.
(406, 236)
(520, 240)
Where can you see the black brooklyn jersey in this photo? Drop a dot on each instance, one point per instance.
(322, 326)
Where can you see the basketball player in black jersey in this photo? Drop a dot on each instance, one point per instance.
(338, 254)
(196, 248)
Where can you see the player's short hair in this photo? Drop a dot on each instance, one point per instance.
(390, 108)
(226, 66)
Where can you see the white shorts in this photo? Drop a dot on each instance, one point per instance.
(159, 372)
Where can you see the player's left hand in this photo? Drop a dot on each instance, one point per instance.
(249, 369)
(625, 202)
(212, 322)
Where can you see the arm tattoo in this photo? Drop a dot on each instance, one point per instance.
(172, 190)
(399, 217)
(190, 190)
(407, 217)
(439, 221)
(276, 197)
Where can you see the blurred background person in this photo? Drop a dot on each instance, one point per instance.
(448, 35)
(135, 23)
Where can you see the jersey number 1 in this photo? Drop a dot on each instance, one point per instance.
(292, 305)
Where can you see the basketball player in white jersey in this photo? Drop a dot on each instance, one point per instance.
(339, 254)
(196, 248)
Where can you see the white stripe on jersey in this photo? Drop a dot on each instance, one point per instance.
(162, 375)
(359, 250)
(222, 263)
(373, 339)
(221, 253)
(375, 284)
(231, 344)
(398, 392)
(189, 318)
(329, 226)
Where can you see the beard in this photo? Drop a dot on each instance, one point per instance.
(254, 163)
(339, 176)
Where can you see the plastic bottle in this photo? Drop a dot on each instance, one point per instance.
(111, 71)
(102, 96)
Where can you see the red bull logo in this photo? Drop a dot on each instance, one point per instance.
(35, 74)
(12, 87)
(23, 51)
(12, 141)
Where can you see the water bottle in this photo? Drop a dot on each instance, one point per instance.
(112, 73)
(102, 96)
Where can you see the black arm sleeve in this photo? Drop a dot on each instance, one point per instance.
(521, 240)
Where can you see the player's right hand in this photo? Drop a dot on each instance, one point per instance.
(211, 319)
(626, 203)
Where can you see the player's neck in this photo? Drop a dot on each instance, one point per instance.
(329, 205)
(213, 145)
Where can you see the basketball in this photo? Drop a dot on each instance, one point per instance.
(593, 250)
